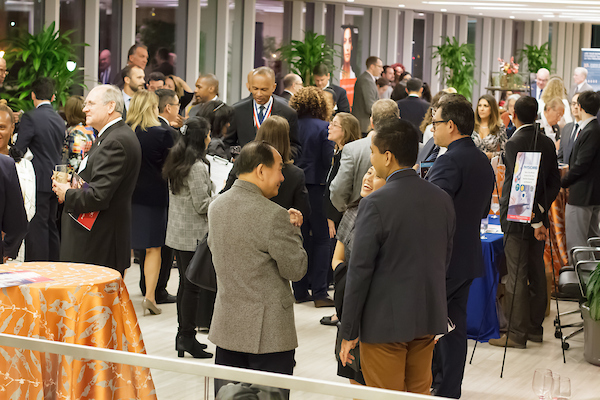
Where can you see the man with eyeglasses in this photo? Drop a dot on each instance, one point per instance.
(465, 173)
(569, 132)
(3, 72)
(537, 86)
(365, 93)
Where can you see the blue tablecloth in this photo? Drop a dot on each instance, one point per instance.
(482, 319)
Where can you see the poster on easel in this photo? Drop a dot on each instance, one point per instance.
(347, 75)
(590, 60)
(522, 192)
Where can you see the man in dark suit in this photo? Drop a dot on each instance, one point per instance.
(465, 173)
(168, 110)
(13, 218)
(249, 113)
(365, 93)
(136, 56)
(105, 74)
(207, 89)
(42, 130)
(541, 80)
(133, 80)
(395, 285)
(322, 79)
(110, 171)
(580, 82)
(413, 108)
(291, 84)
(582, 215)
(569, 132)
(524, 242)
(162, 61)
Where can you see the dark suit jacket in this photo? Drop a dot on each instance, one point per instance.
(413, 110)
(43, 131)
(12, 209)
(166, 68)
(566, 143)
(365, 94)
(583, 178)
(111, 173)
(151, 188)
(165, 124)
(341, 98)
(548, 183)
(465, 173)
(286, 96)
(292, 192)
(426, 151)
(315, 159)
(396, 280)
(242, 129)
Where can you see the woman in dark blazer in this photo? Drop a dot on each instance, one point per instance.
(292, 192)
(151, 195)
(313, 113)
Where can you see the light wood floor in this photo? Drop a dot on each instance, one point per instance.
(315, 358)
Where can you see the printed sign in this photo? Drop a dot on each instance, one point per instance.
(522, 192)
(590, 60)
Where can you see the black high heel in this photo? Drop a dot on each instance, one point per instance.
(202, 345)
(192, 346)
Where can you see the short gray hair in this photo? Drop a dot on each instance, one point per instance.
(113, 93)
(581, 70)
(384, 109)
(512, 97)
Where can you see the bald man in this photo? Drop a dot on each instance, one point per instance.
(3, 71)
(580, 84)
(207, 89)
(537, 86)
(250, 113)
(104, 68)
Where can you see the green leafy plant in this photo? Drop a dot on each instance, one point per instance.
(456, 63)
(303, 57)
(537, 57)
(593, 294)
(42, 55)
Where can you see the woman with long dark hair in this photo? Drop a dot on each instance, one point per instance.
(190, 193)
(490, 133)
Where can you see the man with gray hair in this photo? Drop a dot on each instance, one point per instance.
(109, 172)
(580, 85)
(537, 86)
(291, 84)
(356, 158)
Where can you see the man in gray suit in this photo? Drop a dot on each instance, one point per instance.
(365, 93)
(580, 79)
(569, 132)
(255, 259)
(345, 187)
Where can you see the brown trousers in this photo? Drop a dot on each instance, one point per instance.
(398, 366)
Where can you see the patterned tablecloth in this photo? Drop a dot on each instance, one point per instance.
(82, 304)
(559, 256)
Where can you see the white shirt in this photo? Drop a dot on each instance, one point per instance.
(111, 123)
(42, 103)
(126, 99)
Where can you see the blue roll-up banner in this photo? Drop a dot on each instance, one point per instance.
(590, 60)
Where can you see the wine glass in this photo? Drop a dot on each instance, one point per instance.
(483, 228)
(542, 382)
(564, 392)
(495, 206)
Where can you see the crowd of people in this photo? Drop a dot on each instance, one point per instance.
(320, 194)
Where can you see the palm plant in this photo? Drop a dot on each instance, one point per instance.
(456, 63)
(303, 57)
(45, 54)
(593, 294)
(537, 57)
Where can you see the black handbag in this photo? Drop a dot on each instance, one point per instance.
(201, 271)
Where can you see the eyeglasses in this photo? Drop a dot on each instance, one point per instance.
(4, 71)
(175, 104)
(336, 125)
(434, 123)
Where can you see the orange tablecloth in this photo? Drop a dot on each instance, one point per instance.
(560, 254)
(83, 304)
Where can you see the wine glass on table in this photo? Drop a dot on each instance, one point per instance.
(542, 383)
(495, 206)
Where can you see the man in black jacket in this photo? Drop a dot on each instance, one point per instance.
(42, 130)
(413, 108)
(524, 242)
(582, 215)
(322, 78)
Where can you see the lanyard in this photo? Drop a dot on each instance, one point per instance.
(268, 110)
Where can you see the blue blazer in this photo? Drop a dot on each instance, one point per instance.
(465, 173)
(317, 150)
(12, 209)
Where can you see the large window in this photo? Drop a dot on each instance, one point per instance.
(270, 34)
(72, 17)
(110, 62)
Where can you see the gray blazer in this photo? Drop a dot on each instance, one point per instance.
(566, 142)
(188, 222)
(365, 94)
(355, 162)
(256, 253)
(586, 86)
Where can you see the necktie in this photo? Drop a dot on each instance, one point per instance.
(261, 114)
(434, 154)
(576, 132)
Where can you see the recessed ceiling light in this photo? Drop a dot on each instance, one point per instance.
(480, 13)
(421, 14)
(350, 1)
(401, 5)
(539, 20)
(443, 10)
(512, 17)
(549, 16)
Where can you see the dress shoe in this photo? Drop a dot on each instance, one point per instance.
(201, 345)
(304, 299)
(325, 302)
(502, 341)
(535, 338)
(149, 306)
(165, 299)
(192, 346)
(330, 321)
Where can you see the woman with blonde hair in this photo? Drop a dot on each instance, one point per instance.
(151, 195)
(490, 133)
(555, 88)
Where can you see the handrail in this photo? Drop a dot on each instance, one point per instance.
(206, 370)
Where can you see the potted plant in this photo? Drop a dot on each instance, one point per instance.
(537, 57)
(49, 53)
(590, 311)
(303, 57)
(456, 63)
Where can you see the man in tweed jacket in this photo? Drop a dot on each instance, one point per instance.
(257, 250)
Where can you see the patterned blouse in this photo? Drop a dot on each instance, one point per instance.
(345, 231)
(78, 142)
(491, 143)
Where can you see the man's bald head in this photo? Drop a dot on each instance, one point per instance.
(541, 78)
(2, 70)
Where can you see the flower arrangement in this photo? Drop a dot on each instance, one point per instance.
(509, 68)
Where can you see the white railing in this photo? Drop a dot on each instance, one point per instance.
(206, 370)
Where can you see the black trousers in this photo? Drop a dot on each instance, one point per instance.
(166, 263)
(525, 286)
(188, 297)
(282, 363)
(42, 242)
(450, 352)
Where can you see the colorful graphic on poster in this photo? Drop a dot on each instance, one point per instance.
(522, 192)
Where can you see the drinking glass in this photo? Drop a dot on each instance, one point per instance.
(483, 228)
(542, 383)
(564, 392)
(555, 385)
(495, 206)
(61, 173)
